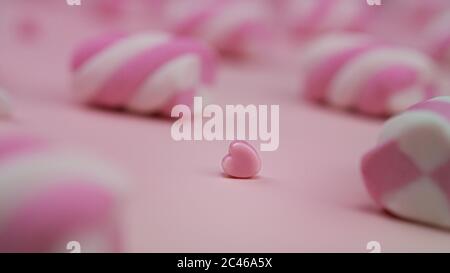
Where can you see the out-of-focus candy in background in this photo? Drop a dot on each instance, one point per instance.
(50, 196)
(314, 17)
(230, 26)
(357, 71)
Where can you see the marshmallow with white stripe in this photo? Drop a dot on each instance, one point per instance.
(145, 73)
(231, 26)
(354, 71)
(311, 17)
(408, 172)
(50, 196)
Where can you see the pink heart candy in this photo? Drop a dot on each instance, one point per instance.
(242, 160)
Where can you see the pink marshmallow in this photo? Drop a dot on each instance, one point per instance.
(354, 71)
(232, 27)
(49, 196)
(42, 222)
(312, 17)
(142, 73)
(408, 172)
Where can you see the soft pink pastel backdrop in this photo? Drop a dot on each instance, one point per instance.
(309, 195)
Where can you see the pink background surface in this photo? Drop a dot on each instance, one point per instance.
(309, 195)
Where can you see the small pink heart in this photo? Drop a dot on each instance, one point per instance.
(242, 160)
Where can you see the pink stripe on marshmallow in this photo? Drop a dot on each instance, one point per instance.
(386, 168)
(45, 218)
(11, 146)
(408, 173)
(374, 97)
(124, 82)
(441, 108)
(319, 78)
(85, 53)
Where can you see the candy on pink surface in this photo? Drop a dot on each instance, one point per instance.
(408, 172)
(50, 196)
(354, 71)
(235, 27)
(142, 73)
(242, 160)
(308, 18)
